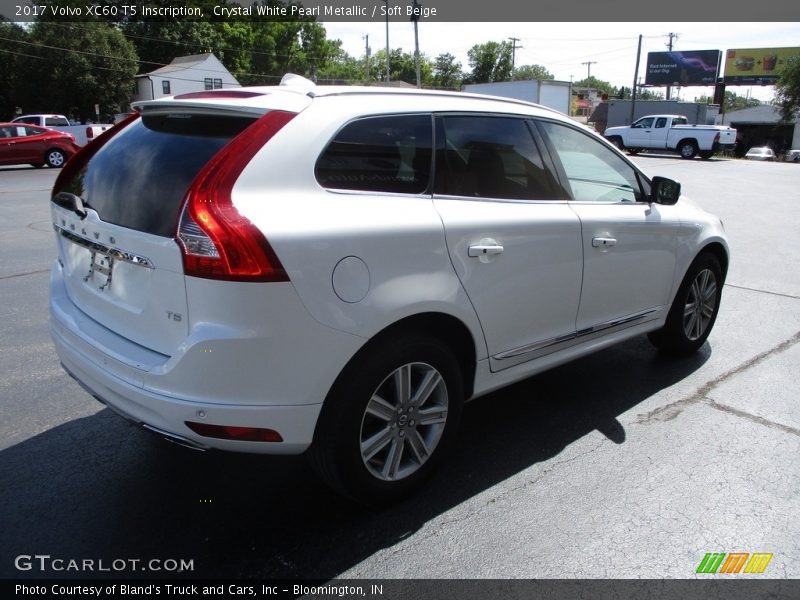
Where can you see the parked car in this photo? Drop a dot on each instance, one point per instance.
(83, 134)
(336, 270)
(672, 132)
(760, 153)
(793, 156)
(38, 146)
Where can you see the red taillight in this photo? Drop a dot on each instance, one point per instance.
(217, 242)
(84, 155)
(231, 432)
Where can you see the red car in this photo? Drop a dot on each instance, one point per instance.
(21, 143)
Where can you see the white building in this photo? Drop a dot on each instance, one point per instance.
(185, 74)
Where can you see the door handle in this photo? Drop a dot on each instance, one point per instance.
(485, 250)
(603, 242)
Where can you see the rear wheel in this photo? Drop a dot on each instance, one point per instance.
(694, 309)
(55, 158)
(687, 149)
(389, 419)
(617, 141)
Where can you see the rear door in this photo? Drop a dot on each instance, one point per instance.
(513, 240)
(116, 218)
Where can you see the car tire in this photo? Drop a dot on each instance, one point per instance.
(634, 151)
(687, 149)
(55, 158)
(370, 445)
(617, 142)
(694, 310)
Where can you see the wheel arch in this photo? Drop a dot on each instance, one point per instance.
(690, 140)
(720, 253)
(446, 328)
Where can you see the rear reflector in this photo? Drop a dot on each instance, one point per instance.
(230, 432)
(217, 242)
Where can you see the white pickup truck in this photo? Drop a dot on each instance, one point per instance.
(83, 134)
(672, 132)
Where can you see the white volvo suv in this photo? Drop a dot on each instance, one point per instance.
(335, 270)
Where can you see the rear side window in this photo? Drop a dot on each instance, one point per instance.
(490, 157)
(139, 179)
(379, 154)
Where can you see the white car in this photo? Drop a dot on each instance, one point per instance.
(336, 270)
(760, 153)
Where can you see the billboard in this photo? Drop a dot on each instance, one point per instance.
(693, 67)
(757, 66)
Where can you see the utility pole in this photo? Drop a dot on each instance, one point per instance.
(635, 79)
(367, 51)
(415, 19)
(514, 47)
(387, 39)
(669, 47)
(589, 82)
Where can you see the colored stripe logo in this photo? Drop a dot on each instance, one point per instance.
(734, 562)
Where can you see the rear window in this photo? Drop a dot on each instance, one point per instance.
(139, 179)
(55, 122)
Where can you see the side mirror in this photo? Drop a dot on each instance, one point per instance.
(664, 191)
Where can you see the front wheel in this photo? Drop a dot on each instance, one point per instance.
(55, 158)
(694, 309)
(389, 419)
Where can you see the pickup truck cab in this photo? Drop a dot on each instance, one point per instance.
(83, 134)
(672, 132)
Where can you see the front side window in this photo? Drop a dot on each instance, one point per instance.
(645, 123)
(379, 154)
(594, 172)
(490, 157)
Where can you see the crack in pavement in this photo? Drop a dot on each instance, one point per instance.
(672, 410)
(760, 291)
(24, 274)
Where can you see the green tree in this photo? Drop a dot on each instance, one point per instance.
(490, 62)
(526, 72)
(604, 87)
(447, 72)
(92, 64)
(732, 101)
(402, 66)
(787, 90)
(13, 64)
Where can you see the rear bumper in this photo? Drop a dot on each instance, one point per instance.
(167, 416)
(256, 377)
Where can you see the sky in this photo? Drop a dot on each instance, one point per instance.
(563, 47)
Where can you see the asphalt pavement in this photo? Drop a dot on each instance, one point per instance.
(622, 464)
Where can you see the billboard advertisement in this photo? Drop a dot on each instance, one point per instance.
(693, 67)
(756, 66)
